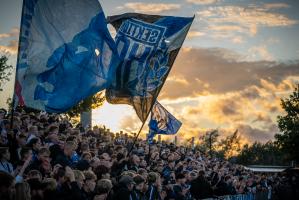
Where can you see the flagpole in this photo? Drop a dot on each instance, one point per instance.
(14, 85)
(157, 94)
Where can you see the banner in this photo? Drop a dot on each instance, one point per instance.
(162, 122)
(148, 46)
(66, 53)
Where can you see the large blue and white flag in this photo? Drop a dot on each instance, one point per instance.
(66, 53)
(148, 46)
(162, 122)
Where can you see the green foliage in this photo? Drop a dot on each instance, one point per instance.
(230, 146)
(88, 104)
(209, 142)
(288, 124)
(5, 71)
(225, 148)
(261, 154)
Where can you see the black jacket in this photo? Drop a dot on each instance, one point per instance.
(201, 188)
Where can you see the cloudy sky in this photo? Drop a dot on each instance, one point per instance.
(239, 59)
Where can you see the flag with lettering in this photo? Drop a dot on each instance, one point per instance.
(66, 53)
(148, 46)
(162, 122)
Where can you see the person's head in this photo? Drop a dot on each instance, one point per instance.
(135, 160)
(143, 163)
(68, 148)
(35, 144)
(23, 191)
(153, 178)
(171, 157)
(228, 179)
(25, 153)
(86, 156)
(59, 174)
(84, 147)
(143, 173)
(201, 174)
(36, 187)
(21, 139)
(34, 174)
(43, 154)
(4, 154)
(127, 181)
(171, 164)
(105, 157)
(180, 178)
(74, 140)
(53, 130)
(79, 177)
(140, 182)
(33, 130)
(102, 171)
(90, 181)
(102, 145)
(6, 185)
(102, 189)
(50, 184)
(192, 176)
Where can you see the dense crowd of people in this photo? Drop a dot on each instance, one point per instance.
(44, 157)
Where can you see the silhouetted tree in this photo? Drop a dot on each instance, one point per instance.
(261, 154)
(5, 70)
(230, 146)
(88, 104)
(288, 139)
(209, 142)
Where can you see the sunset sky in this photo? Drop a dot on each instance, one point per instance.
(239, 59)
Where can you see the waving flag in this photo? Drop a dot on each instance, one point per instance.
(148, 46)
(66, 53)
(162, 122)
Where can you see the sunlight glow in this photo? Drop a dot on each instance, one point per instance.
(111, 115)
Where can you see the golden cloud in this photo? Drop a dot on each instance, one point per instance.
(259, 53)
(192, 34)
(4, 35)
(152, 7)
(238, 40)
(11, 48)
(203, 2)
(214, 88)
(227, 20)
(14, 32)
(269, 6)
(215, 70)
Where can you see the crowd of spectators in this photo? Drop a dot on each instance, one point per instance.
(44, 157)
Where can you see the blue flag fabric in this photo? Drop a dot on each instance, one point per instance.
(162, 122)
(148, 46)
(66, 53)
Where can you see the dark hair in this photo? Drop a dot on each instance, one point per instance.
(32, 142)
(60, 173)
(24, 150)
(138, 179)
(179, 176)
(100, 170)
